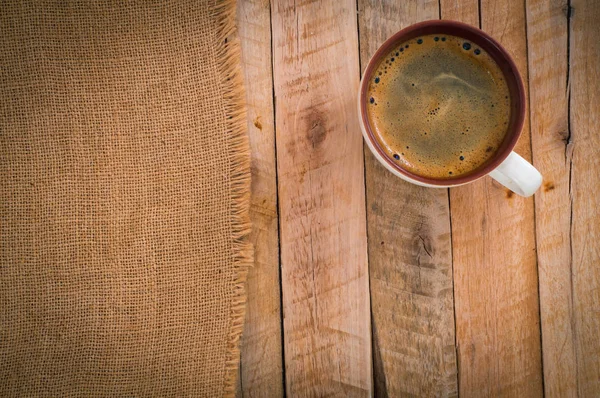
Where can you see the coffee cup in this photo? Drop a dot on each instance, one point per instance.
(430, 42)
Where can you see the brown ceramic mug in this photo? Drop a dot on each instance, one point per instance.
(506, 167)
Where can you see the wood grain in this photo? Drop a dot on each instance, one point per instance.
(261, 352)
(585, 189)
(410, 256)
(547, 36)
(495, 275)
(466, 11)
(325, 284)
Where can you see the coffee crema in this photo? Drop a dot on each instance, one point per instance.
(439, 106)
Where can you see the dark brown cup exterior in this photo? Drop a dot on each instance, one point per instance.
(500, 56)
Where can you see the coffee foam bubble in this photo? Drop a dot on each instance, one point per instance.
(439, 106)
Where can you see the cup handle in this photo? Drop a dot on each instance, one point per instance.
(518, 175)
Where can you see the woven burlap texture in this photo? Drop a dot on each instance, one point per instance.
(124, 172)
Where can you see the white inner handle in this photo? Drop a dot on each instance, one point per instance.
(518, 175)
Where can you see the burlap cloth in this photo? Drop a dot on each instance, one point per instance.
(124, 172)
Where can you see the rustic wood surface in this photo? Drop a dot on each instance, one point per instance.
(325, 281)
(547, 33)
(472, 291)
(584, 76)
(261, 365)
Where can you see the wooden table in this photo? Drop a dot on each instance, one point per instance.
(367, 285)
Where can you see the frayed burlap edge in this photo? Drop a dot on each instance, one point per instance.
(232, 84)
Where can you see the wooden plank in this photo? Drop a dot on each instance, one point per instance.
(585, 189)
(495, 275)
(410, 256)
(466, 11)
(261, 369)
(547, 37)
(325, 284)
